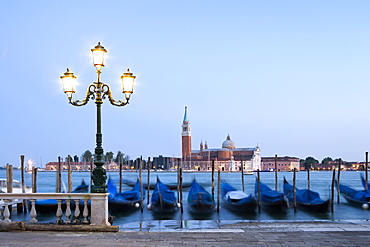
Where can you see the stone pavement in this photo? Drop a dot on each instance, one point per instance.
(242, 233)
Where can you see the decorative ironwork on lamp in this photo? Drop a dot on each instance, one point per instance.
(98, 91)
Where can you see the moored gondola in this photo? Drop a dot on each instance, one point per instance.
(236, 200)
(271, 199)
(306, 199)
(200, 200)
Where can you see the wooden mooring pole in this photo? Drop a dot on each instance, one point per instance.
(69, 174)
(58, 186)
(9, 183)
(366, 168)
(181, 206)
(213, 179)
(338, 188)
(218, 190)
(276, 173)
(120, 174)
(242, 169)
(332, 191)
(259, 191)
(148, 185)
(141, 184)
(34, 179)
(308, 179)
(295, 190)
(24, 203)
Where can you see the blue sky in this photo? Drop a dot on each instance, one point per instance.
(292, 76)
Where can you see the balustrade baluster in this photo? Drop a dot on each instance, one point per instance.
(33, 211)
(68, 212)
(77, 211)
(6, 211)
(85, 213)
(59, 212)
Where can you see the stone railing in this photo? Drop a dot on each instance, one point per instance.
(98, 203)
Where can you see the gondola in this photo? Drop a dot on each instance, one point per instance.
(236, 200)
(200, 200)
(163, 199)
(354, 197)
(127, 200)
(306, 199)
(363, 181)
(271, 199)
(152, 185)
(51, 205)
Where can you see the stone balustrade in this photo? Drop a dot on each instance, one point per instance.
(98, 203)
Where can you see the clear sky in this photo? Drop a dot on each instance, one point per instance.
(290, 76)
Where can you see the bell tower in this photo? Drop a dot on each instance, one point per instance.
(186, 135)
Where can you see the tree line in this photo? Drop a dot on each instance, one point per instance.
(108, 156)
(312, 163)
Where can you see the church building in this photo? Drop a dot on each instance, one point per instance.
(227, 158)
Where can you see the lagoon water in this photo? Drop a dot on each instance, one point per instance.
(320, 182)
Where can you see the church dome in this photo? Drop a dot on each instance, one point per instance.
(228, 143)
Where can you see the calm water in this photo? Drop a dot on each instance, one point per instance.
(320, 182)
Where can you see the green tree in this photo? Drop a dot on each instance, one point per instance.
(75, 158)
(310, 162)
(119, 158)
(326, 161)
(109, 156)
(70, 159)
(86, 156)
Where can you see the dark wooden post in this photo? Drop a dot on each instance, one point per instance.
(24, 203)
(276, 173)
(91, 170)
(9, 178)
(366, 168)
(34, 179)
(308, 179)
(120, 174)
(69, 174)
(218, 190)
(148, 185)
(294, 190)
(58, 188)
(9, 184)
(141, 183)
(182, 208)
(332, 191)
(242, 169)
(259, 191)
(338, 188)
(213, 178)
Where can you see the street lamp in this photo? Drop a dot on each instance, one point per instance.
(98, 91)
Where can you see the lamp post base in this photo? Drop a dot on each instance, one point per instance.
(99, 179)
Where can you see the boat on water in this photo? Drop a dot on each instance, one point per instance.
(51, 205)
(153, 185)
(200, 200)
(248, 173)
(363, 181)
(127, 200)
(306, 199)
(17, 188)
(163, 199)
(271, 199)
(354, 197)
(237, 200)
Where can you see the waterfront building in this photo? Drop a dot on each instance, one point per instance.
(227, 158)
(80, 166)
(283, 163)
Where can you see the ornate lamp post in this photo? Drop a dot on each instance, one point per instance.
(98, 91)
